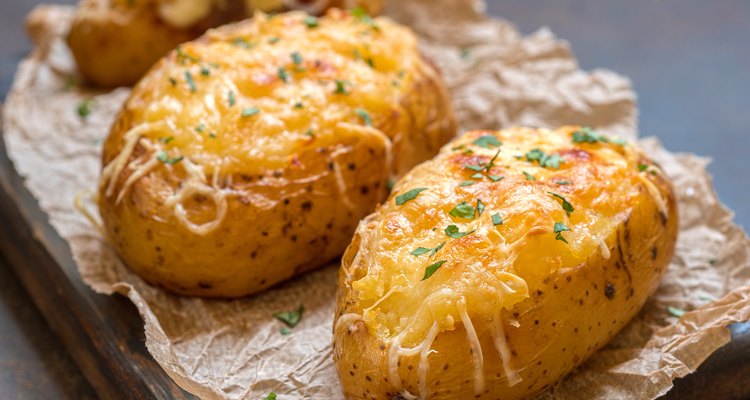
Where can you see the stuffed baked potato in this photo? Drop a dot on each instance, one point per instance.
(498, 266)
(249, 155)
(115, 42)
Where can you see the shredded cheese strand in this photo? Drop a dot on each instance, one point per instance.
(476, 348)
(81, 208)
(501, 345)
(424, 364)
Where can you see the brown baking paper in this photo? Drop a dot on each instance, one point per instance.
(233, 349)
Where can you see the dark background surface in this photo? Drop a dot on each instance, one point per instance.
(689, 61)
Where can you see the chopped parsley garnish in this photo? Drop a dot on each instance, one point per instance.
(340, 87)
(205, 71)
(290, 318)
(212, 135)
(240, 42)
(480, 207)
(558, 229)
(272, 395)
(563, 182)
(528, 176)
(84, 107)
(492, 161)
(544, 160)
(495, 178)
(410, 195)
(190, 81)
(453, 232)
(477, 176)
(164, 157)
(182, 56)
(172, 81)
(463, 210)
(642, 167)
(362, 113)
(677, 312)
(467, 183)
(296, 58)
(298, 104)
(311, 21)
(309, 132)
(423, 250)
(285, 331)
(167, 139)
(200, 127)
(472, 167)
(496, 219)
(588, 135)
(432, 268)
(565, 204)
(273, 39)
(283, 75)
(231, 99)
(361, 14)
(250, 111)
(487, 141)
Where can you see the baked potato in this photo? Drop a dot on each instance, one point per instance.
(249, 155)
(115, 42)
(498, 266)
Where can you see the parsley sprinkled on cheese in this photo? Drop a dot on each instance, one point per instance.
(362, 16)
(642, 167)
(290, 318)
(283, 75)
(272, 395)
(200, 128)
(250, 111)
(563, 182)
(565, 204)
(544, 160)
(182, 56)
(588, 135)
(558, 229)
(296, 58)
(410, 195)
(487, 141)
(273, 39)
(340, 87)
(466, 183)
(496, 219)
(424, 250)
(190, 81)
(453, 232)
(167, 139)
(677, 312)
(528, 176)
(473, 167)
(364, 115)
(240, 42)
(231, 99)
(495, 178)
(164, 157)
(463, 210)
(432, 268)
(311, 22)
(480, 207)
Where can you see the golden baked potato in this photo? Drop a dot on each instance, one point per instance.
(250, 154)
(498, 266)
(115, 42)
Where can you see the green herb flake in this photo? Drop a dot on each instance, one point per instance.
(453, 232)
(273, 39)
(463, 210)
(563, 183)
(362, 16)
(495, 178)
(182, 56)
(588, 135)
(487, 141)
(172, 81)
(231, 99)
(480, 207)
(565, 204)
(558, 229)
(473, 167)
(364, 115)
(212, 135)
(164, 157)
(250, 111)
(200, 128)
(432, 268)
(410, 195)
(285, 331)
(340, 87)
(309, 132)
(419, 251)
(298, 104)
(167, 139)
(496, 219)
(544, 160)
(492, 161)
(311, 22)
(677, 312)
(642, 167)
(477, 176)
(466, 183)
(282, 74)
(290, 318)
(84, 107)
(190, 81)
(272, 395)
(296, 58)
(240, 42)
(528, 176)
(205, 71)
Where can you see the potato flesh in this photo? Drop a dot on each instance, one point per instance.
(497, 267)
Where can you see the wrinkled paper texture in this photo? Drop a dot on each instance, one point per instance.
(233, 349)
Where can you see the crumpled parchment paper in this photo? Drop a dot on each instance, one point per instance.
(233, 349)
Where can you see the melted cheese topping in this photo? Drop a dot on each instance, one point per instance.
(248, 98)
(493, 267)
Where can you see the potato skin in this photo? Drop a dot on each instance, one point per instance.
(114, 42)
(284, 164)
(573, 303)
